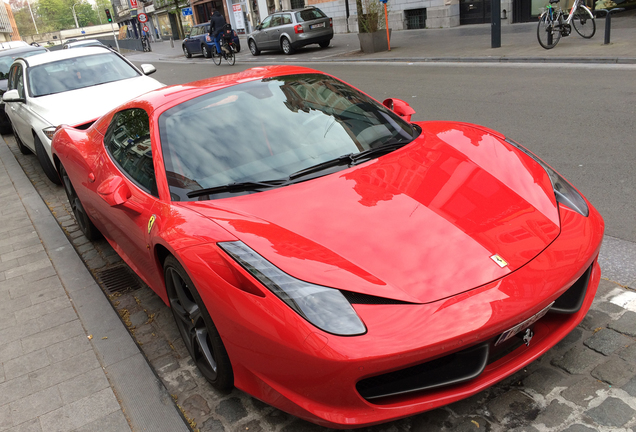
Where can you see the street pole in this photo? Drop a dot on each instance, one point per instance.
(495, 35)
(34, 24)
(75, 16)
(115, 36)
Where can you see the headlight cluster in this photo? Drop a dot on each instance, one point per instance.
(564, 191)
(324, 307)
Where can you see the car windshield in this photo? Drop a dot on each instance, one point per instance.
(78, 72)
(271, 129)
(309, 14)
(7, 60)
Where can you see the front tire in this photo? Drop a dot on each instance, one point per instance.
(45, 161)
(186, 52)
(206, 51)
(584, 22)
(199, 333)
(87, 227)
(548, 33)
(286, 45)
(216, 57)
(253, 48)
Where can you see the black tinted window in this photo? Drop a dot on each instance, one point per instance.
(128, 142)
(309, 14)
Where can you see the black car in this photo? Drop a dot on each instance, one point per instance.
(7, 57)
(200, 42)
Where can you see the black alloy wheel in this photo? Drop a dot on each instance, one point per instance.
(199, 333)
(87, 227)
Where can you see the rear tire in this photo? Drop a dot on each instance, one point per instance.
(230, 58)
(324, 44)
(285, 44)
(186, 52)
(196, 327)
(23, 149)
(584, 22)
(87, 227)
(45, 161)
(253, 48)
(548, 33)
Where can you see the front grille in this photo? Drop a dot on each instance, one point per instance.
(571, 301)
(451, 369)
(463, 365)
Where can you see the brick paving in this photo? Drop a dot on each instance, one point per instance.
(586, 383)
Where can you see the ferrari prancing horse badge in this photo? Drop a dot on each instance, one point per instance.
(151, 222)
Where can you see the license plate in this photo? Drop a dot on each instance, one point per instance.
(523, 325)
(315, 26)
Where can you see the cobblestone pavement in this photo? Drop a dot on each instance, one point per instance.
(586, 383)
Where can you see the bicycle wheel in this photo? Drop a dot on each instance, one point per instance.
(216, 57)
(584, 22)
(548, 32)
(230, 57)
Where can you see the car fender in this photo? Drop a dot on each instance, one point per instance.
(285, 34)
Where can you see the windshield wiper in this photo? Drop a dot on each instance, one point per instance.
(238, 187)
(346, 159)
(372, 153)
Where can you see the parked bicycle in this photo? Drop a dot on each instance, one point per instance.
(554, 23)
(145, 44)
(228, 49)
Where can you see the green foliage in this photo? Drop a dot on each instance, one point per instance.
(370, 16)
(53, 15)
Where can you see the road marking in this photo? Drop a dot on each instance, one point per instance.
(626, 300)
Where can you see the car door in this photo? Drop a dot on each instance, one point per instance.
(125, 185)
(191, 40)
(261, 36)
(18, 112)
(273, 33)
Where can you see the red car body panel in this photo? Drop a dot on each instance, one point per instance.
(418, 225)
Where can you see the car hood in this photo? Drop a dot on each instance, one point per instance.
(419, 224)
(82, 105)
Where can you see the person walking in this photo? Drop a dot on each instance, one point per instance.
(217, 23)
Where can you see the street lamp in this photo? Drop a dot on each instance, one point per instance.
(75, 16)
(34, 25)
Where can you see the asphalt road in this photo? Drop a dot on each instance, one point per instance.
(579, 118)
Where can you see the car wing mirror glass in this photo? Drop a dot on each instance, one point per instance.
(148, 69)
(12, 96)
(399, 107)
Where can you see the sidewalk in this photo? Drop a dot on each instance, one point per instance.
(67, 363)
(470, 43)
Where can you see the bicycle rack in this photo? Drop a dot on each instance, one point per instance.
(608, 21)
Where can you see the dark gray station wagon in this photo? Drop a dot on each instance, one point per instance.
(291, 29)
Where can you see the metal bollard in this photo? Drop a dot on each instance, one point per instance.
(171, 42)
(608, 22)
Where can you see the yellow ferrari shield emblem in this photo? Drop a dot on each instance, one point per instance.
(499, 260)
(151, 222)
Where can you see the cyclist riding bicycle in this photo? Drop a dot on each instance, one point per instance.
(217, 23)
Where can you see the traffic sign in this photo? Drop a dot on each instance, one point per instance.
(186, 11)
(146, 29)
(142, 17)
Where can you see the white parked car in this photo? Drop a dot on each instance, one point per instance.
(73, 87)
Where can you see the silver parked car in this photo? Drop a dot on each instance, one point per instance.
(291, 29)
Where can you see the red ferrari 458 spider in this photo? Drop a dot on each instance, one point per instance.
(325, 254)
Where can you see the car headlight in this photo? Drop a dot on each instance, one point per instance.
(324, 307)
(563, 190)
(49, 132)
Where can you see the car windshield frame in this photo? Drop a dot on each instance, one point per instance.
(292, 123)
(13, 56)
(77, 73)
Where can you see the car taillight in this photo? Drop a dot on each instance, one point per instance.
(208, 38)
(330, 22)
(298, 28)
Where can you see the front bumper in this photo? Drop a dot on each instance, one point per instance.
(283, 360)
